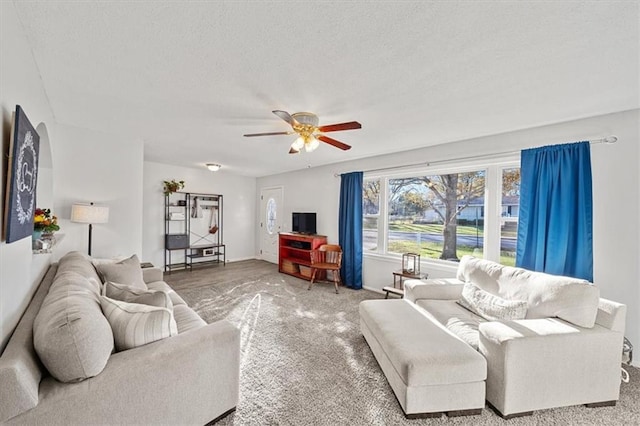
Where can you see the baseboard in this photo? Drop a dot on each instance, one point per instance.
(373, 289)
(240, 259)
(221, 416)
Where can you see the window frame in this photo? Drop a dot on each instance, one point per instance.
(493, 168)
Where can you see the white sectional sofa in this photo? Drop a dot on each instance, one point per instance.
(563, 348)
(191, 377)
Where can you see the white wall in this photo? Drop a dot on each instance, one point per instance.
(616, 199)
(106, 170)
(20, 271)
(239, 208)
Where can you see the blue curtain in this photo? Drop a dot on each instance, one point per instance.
(350, 229)
(555, 230)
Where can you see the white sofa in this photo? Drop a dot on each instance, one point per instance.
(189, 378)
(566, 350)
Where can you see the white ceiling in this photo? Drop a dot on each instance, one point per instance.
(191, 77)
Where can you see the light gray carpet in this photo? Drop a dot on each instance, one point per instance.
(304, 361)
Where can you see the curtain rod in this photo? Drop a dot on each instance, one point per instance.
(607, 140)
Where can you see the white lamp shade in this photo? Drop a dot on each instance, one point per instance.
(88, 213)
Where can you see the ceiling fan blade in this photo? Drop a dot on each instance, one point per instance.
(351, 125)
(285, 116)
(330, 141)
(268, 134)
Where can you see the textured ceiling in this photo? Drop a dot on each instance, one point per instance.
(190, 78)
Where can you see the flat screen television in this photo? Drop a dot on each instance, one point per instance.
(304, 223)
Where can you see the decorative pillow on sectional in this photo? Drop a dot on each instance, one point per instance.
(106, 260)
(126, 293)
(571, 299)
(135, 325)
(126, 272)
(72, 337)
(491, 307)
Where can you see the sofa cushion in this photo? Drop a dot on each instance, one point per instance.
(423, 353)
(20, 367)
(458, 320)
(574, 300)
(186, 318)
(126, 272)
(80, 263)
(135, 325)
(161, 285)
(131, 294)
(489, 306)
(70, 334)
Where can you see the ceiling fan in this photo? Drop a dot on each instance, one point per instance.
(305, 124)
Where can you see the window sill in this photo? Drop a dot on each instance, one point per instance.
(425, 264)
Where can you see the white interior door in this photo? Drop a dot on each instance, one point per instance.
(270, 222)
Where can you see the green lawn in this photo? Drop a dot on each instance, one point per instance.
(431, 228)
(433, 250)
(435, 228)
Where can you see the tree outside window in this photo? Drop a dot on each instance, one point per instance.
(438, 216)
(371, 213)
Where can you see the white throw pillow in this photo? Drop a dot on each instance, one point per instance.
(129, 294)
(107, 260)
(134, 324)
(491, 307)
(126, 272)
(574, 300)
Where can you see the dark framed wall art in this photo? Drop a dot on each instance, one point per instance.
(22, 178)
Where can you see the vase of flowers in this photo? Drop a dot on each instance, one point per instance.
(44, 223)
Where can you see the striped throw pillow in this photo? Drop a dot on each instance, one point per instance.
(134, 324)
(126, 293)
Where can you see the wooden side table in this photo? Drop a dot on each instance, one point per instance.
(398, 287)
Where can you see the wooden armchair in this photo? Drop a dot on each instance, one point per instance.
(328, 257)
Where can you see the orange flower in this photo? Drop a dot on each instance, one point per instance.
(44, 221)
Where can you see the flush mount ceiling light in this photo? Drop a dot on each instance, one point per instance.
(213, 167)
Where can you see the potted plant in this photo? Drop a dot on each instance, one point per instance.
(171, 186)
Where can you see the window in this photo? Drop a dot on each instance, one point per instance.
(509, 215)
(444, 214)
(437, 216)
(371, 212)
(272, 210)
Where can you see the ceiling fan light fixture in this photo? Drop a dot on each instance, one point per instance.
(311, 143)
(213, 167)
(298, 143)
(305, 124)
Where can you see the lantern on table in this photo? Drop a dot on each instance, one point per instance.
(411, 263)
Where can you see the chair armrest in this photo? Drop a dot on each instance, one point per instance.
(438, 289)
(150, 275)
(190, 378)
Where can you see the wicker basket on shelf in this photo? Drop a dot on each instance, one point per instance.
(290, 267)
(305, 271)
